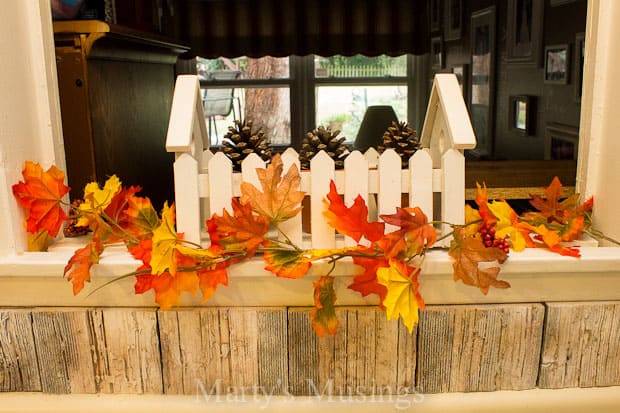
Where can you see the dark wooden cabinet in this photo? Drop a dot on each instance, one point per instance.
(116, 89)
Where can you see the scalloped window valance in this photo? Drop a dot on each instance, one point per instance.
(258, 28)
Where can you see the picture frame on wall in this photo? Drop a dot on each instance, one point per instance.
(462, 75)
(557, 64)
(482, 79)
(437, 57)
(561, 141)
(521, 113)
(524, 30)
(434, 13)
(453, 20)
(580, 48)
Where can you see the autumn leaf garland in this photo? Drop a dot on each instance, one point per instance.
(390, 262)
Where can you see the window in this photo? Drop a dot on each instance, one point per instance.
(286, 97)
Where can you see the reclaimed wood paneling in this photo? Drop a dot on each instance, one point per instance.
(581, 346)
(63, 343)
(369, 355)
(210, 350)
(19, 369)
(479, 348)
(126, 345)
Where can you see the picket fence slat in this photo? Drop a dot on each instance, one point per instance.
(389, 185)
(187, 197)
(322, 167)
(221, 183)
(421, 182)
(248, 169)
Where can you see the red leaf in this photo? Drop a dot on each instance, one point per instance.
(41, 194)
(415, 233)
(353, 220)
(366, 283)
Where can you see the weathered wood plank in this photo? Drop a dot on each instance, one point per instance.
(19, 370)
(581, 346)
(302, 353)
(406, 359)
(272, 354)
(128, 351)
(243, 331)
(362, 358)
(63, 343)
(193, 356)
(479, 348)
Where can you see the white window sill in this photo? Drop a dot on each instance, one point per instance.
(35, 279)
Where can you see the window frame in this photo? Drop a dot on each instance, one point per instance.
(303, 83)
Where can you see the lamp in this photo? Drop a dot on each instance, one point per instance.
(376, 121)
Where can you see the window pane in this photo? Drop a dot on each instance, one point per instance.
(343, 107)
(268, 108)
(359, 66)
(243, 68)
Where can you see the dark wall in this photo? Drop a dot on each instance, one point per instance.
(554, 102)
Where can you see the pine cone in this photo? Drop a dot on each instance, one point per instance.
(402, 139)
(240, 141)
(323, 139)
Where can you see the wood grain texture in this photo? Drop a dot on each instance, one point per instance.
(19, 369)
(369, 355)
(210, 351)
(479, 348)
(581, 346)
(63, 343)
(126, 343)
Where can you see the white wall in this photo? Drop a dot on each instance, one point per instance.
(30, 126)
(599, 142)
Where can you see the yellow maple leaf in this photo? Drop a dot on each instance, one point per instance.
(198, 254)
(472, 215)
(403, 298)
(97, 199)
(508, 224)
(165, 240)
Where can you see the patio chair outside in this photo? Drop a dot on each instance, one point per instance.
(220, 101)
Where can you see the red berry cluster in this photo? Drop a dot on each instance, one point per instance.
(489, 240)
(72, 230)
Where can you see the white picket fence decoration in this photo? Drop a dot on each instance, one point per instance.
(205, 183)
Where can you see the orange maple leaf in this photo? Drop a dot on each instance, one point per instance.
(353, 220)
(242, 231)
(41, 194)
(482, 200)
(168, 287)
(280, 197)
(468, 253)
(210, 279)
(77, 269)
(323, 315)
